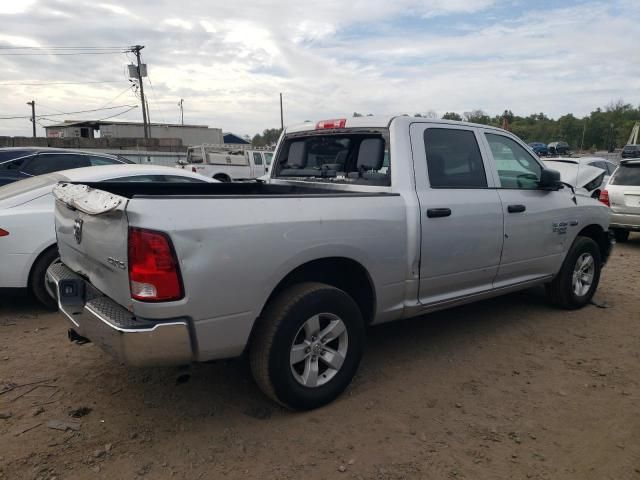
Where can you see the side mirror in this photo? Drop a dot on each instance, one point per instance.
(549, 179)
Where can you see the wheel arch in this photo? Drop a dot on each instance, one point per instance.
(600, 236)
(43, 252)
(341, 272)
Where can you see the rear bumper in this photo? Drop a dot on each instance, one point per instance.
(132, 340)
(626, 221)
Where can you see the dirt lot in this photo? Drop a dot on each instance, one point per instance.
(506, 388)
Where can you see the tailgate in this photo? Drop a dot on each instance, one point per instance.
(92, 232)
(625, 199)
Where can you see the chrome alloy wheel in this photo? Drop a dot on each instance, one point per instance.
(583, 274)
(319, 350)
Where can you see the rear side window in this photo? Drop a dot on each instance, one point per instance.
(453, 159)
(12, 165)
(96, 161)
(53, 162)
(516, 166)
(257, 158)
(627, 174)
(268, 157)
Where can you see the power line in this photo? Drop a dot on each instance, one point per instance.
(118, 96)
(65, 113)
(13, 47)
(64, 53)
(58, 83)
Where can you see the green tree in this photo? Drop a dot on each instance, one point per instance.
(452, 116)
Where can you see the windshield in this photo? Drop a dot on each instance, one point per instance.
(29, 184)
(361, 158)
(627, 174)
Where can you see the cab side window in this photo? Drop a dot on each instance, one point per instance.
(453, 159)
(516, 167)
(257, 158)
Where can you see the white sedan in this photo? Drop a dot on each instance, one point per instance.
(27, 235)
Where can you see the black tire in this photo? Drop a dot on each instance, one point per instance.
(38, 275)
(621, 235)
(560, 290)
(272, 341)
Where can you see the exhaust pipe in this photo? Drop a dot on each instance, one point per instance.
(76, 337)
(184, 374)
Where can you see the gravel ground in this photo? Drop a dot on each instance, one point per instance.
(505, 388)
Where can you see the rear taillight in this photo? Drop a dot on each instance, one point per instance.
(604, 197)
(3, 232)
(193, 169)
(335, 123)
(154, 275)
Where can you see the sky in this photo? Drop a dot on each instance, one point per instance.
(230, 60)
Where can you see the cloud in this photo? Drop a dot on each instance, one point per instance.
(230, 60)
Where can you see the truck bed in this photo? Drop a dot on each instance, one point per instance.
(241, 189)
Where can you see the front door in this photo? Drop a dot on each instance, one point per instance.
(538, 224)
(461, 213)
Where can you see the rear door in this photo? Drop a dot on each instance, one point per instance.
(537, 223)
(461, 214)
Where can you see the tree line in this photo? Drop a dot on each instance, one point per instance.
(603, 129)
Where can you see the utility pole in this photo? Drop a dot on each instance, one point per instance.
(281, 114)
(33, 116)
(181, 111)
(136, 49)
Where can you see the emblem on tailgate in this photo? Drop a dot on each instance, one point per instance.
(77, 230)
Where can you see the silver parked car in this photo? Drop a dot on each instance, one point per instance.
(622, 194)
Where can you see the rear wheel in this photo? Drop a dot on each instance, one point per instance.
(621, 235)
(578, 278)
(222, 178)
(307, 346)
(38, 276)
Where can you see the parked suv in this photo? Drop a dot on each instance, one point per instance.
(18, 163)
(631, 151)
(622, 194)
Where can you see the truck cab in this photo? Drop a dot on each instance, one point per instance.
(227, 164)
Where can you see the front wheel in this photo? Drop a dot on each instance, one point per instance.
(307, 346)
(579, 276)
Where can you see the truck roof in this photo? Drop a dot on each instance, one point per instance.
(382, 121)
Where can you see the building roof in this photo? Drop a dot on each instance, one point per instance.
(97, 123)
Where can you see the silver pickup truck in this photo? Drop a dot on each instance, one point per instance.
(362, 221)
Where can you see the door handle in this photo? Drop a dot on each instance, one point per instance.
(438, 212)
(516, 208)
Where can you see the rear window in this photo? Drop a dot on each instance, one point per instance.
(630, 148)
(627, 174)
(29, 184)
(346, 158)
